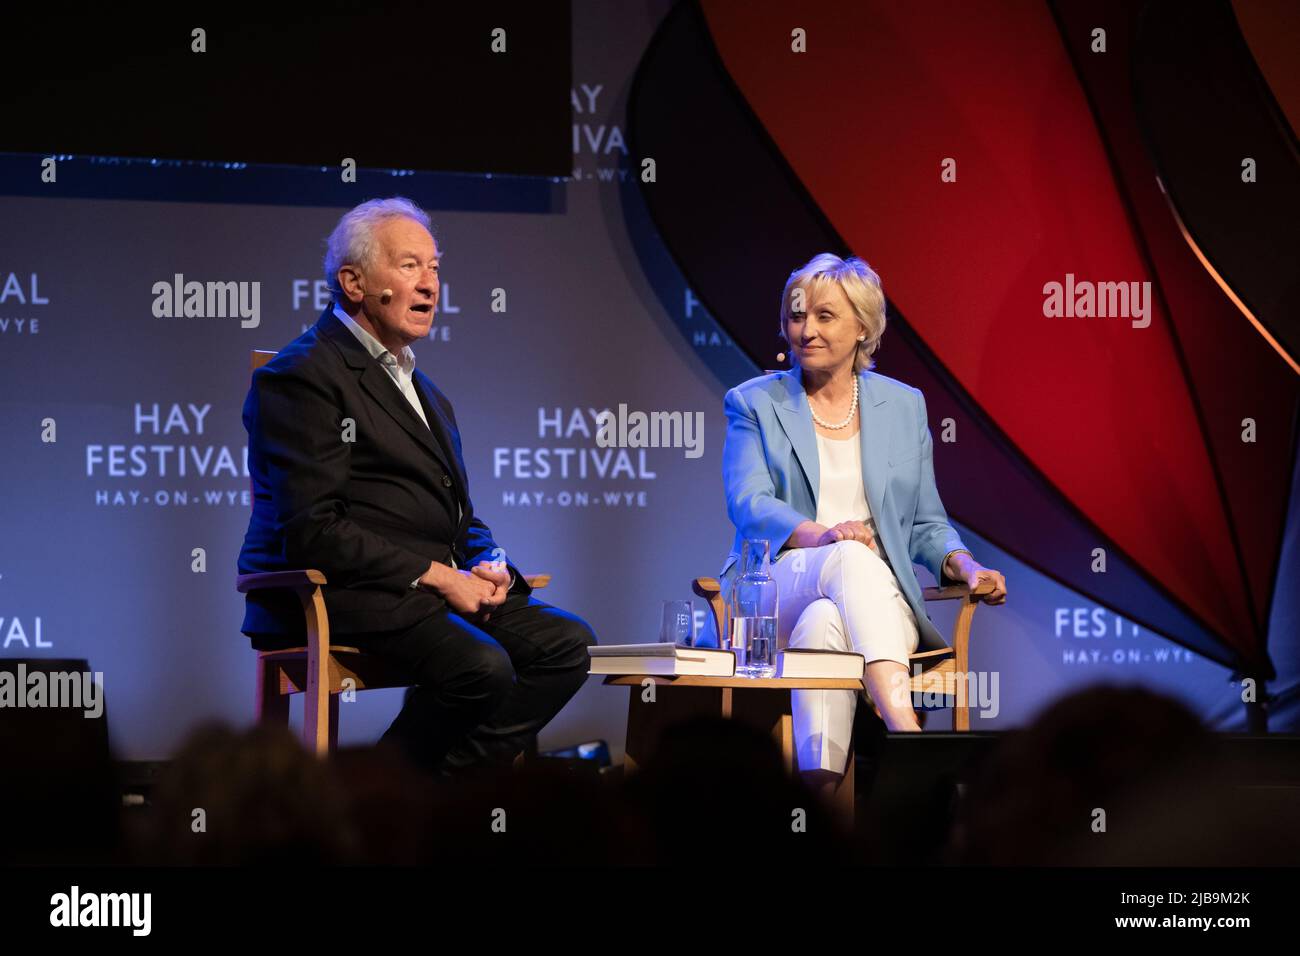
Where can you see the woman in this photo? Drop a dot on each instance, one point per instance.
(833, 464)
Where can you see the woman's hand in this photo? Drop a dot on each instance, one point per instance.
(960, 566)
(848, 531)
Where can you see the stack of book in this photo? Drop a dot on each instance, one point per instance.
(676, 660)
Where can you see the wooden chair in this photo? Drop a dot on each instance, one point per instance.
(765, 702)
(319, 670)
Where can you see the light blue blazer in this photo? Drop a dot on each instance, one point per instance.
(770, 470)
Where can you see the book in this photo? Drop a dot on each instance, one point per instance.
(661, 659)
(814, 662)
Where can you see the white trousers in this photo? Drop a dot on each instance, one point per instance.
(840, 597)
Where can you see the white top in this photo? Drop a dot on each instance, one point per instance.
(841, 493)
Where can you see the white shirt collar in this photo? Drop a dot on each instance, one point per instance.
(405, 361)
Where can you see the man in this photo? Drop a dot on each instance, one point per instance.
(358, 472)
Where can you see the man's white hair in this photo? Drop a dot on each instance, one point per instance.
(352, 243)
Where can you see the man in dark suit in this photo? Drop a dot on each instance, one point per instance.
(358, 472)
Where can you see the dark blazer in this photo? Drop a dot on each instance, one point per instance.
(370, 513)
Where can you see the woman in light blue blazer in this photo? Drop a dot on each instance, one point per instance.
(833, 464)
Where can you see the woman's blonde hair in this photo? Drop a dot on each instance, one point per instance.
(861, 287)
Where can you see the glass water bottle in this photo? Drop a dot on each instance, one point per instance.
(752, 612)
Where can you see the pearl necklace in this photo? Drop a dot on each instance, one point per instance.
(852, 408)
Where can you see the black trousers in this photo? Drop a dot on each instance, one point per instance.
(482, 689)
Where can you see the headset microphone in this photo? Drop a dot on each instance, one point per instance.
(385, 295)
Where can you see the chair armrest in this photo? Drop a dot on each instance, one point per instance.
(309, 578)
(954, 591)
(711, 590)
(706, 587)
(536, 581)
